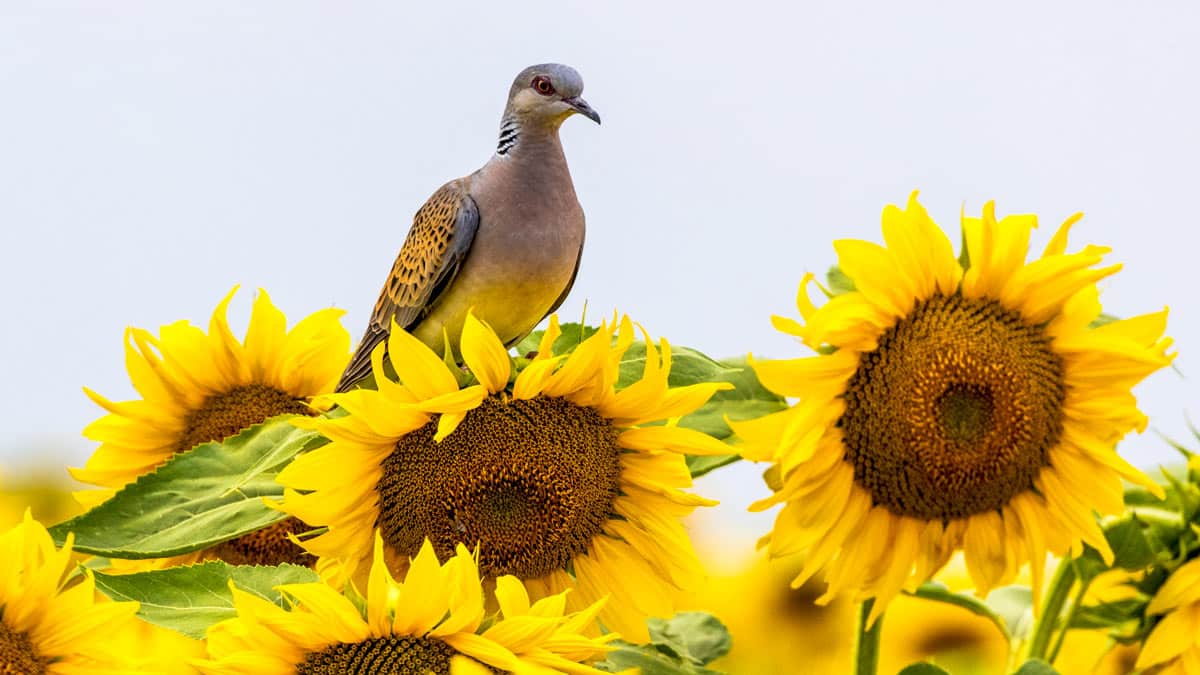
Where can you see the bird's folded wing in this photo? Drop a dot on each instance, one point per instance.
(441, 235)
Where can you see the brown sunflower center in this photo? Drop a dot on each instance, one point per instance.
(17, 655)
(225, 414)
(956, 410)
(381, 656)
(531, 481)
(949, 638)
(268, 546)
(222, 416)
(800, 604)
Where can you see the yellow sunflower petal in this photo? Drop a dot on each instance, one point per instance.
(1182, 587)
(485, 355)
(418, 367)
(1174, 634)
(546, 345)
(909, 439)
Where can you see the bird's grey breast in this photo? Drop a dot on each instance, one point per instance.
(523, 257)
(528, 206)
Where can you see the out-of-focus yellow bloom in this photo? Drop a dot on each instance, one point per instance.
(154, 649)
(48, 498)
(777, 630)
(963, 643)
(50, 621)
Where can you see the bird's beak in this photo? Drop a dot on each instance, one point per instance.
(581, 106)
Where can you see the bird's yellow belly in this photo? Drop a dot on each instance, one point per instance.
(512, 308)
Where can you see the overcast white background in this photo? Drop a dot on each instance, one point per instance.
(152, 155)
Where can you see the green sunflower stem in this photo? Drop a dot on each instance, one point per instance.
(1052, 607)
(866, 640)
(1072, 610)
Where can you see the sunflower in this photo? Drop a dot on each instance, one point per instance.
(553, 476)
(50, 621)
(952, 406)
(197, 387)
(47, 496)
(1174, 644)
(431, 622)
(150, 648)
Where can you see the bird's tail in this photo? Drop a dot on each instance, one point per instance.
(360, 363)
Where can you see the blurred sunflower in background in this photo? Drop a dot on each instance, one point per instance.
(47, 495)
(433, 621)
(779, 631)
(966, 404)
(949, 636)
(555, 478)
(156, 650)
(198, 387)
(964, 643)
(1173, 647)
(1094, 651)
(775, 630)
(50, 621)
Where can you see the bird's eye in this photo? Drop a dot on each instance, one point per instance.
(541, 85)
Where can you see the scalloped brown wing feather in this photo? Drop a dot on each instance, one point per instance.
(437, 243)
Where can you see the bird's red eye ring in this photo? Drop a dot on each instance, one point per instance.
(541, 84)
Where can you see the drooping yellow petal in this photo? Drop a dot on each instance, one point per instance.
(485, 355)
(418, 367)
(546, 345)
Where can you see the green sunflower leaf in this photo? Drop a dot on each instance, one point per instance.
(939, 592)
(199, 498)
(1136, 495)
(1013, 604)
(698, 465)
(1131, 549)
(1036, 667)
(1109, 614)
(648, 661)
(682, 645)
(696, 636)
(688, 366)
(923, 669)
(191, 598)
(747, 400)
(573, 333)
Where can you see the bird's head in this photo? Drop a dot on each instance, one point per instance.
(548, 93)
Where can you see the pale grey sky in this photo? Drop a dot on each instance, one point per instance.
(154, 154)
